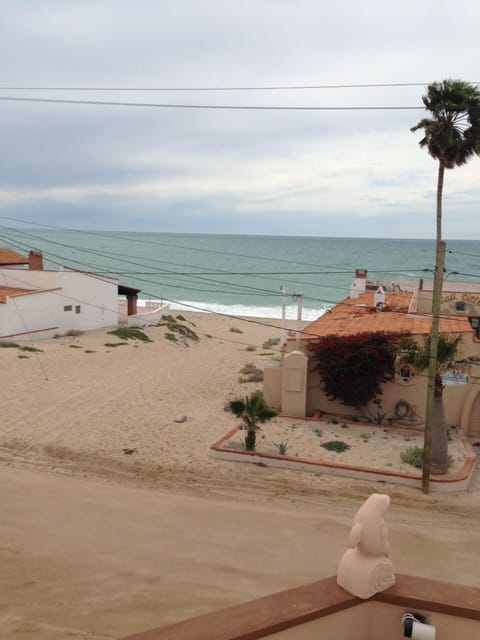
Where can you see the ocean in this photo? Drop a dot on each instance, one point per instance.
(242, 274)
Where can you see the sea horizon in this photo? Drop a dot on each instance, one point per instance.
(243, 274)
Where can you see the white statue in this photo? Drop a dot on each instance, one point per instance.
(365, 568)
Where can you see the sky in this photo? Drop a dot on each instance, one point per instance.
(339, 172)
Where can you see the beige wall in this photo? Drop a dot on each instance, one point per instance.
(448, 302)
(272, 385)
(461, 402)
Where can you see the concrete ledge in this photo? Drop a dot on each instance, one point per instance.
(458, 482)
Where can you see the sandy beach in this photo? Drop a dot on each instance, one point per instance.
(115, 517)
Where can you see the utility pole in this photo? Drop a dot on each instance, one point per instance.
(432, 365)
(282, 332)
(299, 297)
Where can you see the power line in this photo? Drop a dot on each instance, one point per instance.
(158, 105)
(232, 88)
(104, 234)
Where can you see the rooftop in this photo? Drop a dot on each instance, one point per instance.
(358, 315)
(11, 291)
(10, 257)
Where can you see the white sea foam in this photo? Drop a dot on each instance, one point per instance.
(248, 311)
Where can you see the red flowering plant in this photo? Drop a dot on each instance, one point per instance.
(353, 368)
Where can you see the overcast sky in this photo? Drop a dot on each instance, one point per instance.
(323, 173)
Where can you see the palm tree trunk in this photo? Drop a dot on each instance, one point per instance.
(441, 172)
(250, 440)
(439, 457)
(433, 431)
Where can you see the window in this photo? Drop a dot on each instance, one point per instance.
(475, 324)
(454, 377)
(67, 307)
(77, 309)
(405, 374)
(460, 306)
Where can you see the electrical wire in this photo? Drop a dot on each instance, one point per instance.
(232, 88)
(235, 107)
(287, 87)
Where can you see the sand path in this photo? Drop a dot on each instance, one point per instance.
(90, 558)
(98, 544)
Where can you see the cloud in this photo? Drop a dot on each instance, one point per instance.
(338, 171)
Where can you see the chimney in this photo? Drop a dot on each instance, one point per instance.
(35, 260)
(379, 299)
(359, 285)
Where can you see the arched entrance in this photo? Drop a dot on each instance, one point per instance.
(471, 413)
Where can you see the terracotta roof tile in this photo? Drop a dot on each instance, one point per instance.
(8, 256)
(11, 291)
(357, 315)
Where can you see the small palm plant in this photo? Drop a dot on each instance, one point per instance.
(252, 410)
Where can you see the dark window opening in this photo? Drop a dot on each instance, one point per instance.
(475, 324)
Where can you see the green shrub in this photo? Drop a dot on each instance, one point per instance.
(335, 445)
(129, 333)
(235, 330)
(175, 327)
(8, 345)
(115, 344)
(282, 447)
(413, 456)
(30, 349)
(271, 343)
(251, 373)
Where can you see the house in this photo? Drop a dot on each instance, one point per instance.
(13, 260)
(38, 302)
(44, 303)
(295, 387)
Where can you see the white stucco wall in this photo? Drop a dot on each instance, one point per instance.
(27, 279)
(93, 301)
(97, 298)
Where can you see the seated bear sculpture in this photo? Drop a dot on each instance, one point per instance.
(365, 568)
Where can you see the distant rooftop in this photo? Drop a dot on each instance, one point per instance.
(11, 291)
(10, 257)
(358, 315)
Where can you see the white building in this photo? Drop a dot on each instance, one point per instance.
(46, 303)
(37, 302)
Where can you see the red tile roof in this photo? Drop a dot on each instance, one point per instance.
(11, 291)
(8, 256)
(357, 315)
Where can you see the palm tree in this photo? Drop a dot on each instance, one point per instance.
(451, 136)
(419, 358)
(252, 410)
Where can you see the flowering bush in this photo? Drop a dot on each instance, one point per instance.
(353, 368)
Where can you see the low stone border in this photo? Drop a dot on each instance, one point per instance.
(458, 482)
